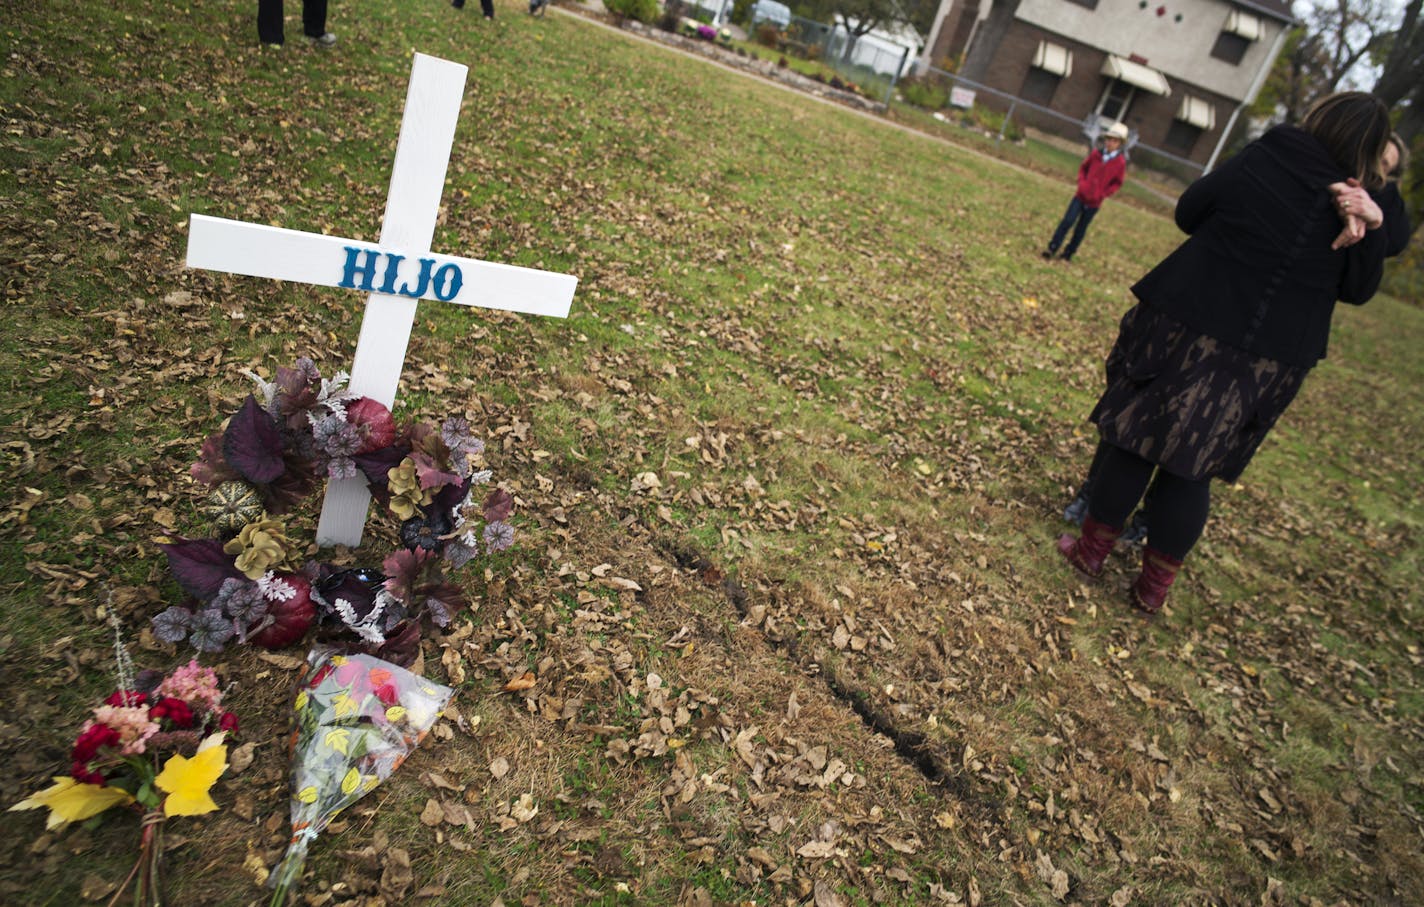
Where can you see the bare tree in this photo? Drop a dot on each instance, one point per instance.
(1401, 79)
(1324, 52)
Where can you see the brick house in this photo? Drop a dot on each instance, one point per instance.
(1178, 72)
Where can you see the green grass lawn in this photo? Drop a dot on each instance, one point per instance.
(829, 656)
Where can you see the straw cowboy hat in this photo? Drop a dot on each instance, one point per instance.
(1117, 131)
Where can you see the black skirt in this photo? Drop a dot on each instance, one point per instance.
(1193, 405)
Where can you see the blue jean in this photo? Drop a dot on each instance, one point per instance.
(1078, 213)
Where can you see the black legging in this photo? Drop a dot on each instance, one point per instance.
(1179, 506)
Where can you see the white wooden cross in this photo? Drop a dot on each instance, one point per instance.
(396, 272)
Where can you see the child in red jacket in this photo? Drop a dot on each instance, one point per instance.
(1099, 176)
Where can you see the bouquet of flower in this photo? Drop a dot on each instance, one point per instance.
(357, 719)
(250, 583)
(156, 745)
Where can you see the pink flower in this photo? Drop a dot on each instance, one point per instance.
(134, 725)
(195, 685)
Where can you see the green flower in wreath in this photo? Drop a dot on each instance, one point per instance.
(406, 494)
(260, 546)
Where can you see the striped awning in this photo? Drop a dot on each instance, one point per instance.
(1197, 112)
(1244, 24)
(1144, 77)
(1053, 58)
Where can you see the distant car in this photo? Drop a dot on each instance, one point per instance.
(778, 14)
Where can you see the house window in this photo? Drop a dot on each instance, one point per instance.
(1051, 64)
(1194, 116)
(1039, 86)
(1229, 47)
(1115, 100)
(1237, 34)
(1181, 137)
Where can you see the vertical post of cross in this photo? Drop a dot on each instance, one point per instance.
(432, 108)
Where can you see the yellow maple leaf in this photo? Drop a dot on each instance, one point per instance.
(72, 801)
(188, 781)
(343, 705)
(348, 783)
(338, 739)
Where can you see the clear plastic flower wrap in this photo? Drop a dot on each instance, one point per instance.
(357, 719)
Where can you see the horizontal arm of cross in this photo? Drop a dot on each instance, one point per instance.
(257, 250)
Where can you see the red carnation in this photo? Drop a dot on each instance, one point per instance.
(127, 698)
(228, 722)
(93, 739)
(175, 710)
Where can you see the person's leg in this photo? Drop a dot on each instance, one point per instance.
(314, 18)
(1121, 480)
(487, 7)
(1178, 514)
(1079, 231)
(1174, 524)
(1119, 485)
(1075, 208)
(269, 21)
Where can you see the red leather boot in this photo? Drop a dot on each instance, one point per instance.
(1149, 590)
(1089, 550)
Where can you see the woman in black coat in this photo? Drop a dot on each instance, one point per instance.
(1227, 326)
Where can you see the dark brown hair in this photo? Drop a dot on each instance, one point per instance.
(1354, 127)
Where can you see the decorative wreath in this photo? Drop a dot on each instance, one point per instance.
(250, 583)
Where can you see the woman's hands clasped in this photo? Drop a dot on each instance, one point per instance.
(1358, 212)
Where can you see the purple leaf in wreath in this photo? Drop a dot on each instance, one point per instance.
(291, 487)
(431, 473)
(405, 571)
(211, 469)
(402, 645)
(172, 625)
(498, 536)
(377, 464)
(499, 504)
(449, 498)
(455, 432)
(457, 553)
(209, 630)
(443, 601)
(200, 566)
(297, 391)
(242, 600)
(252, 444)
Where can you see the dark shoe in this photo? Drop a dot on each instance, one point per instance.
(1149, 590)
(1076, 510)
(1087, 552)
(1046, 254)
(1065, 257)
